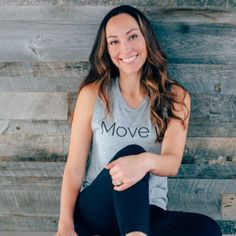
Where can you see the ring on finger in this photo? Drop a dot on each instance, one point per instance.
(119, 183)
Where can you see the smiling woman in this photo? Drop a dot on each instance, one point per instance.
(126, 45)
(128, 135)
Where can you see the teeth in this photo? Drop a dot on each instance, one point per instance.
(128, 59)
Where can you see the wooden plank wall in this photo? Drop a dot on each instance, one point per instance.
(44, 48)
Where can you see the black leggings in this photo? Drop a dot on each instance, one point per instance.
(100, 210)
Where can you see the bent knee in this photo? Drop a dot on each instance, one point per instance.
(132, 149)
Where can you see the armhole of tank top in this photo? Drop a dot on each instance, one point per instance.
(97, 104)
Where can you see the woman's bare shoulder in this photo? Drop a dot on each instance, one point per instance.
(89, 91)
(86, 99)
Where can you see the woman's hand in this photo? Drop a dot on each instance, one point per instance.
(128, 170)
(65, 230)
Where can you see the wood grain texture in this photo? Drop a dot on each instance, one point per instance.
(32, 190)
(212, 129)
(201, 196)
(35, 147)
(49, 41)
(46, 169)
(220, 171)
(51, 127)
(201, 150)
(206, 4)
(205, 108)
(34, 127)
(228, 206)
(66, 77)
(44, 49)
(198, 150)
(35, 106)
(93, 15)
(17, 222)
(30, 203)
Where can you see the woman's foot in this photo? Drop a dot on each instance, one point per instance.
(136, 233)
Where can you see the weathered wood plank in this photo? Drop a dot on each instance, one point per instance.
(58, 69)
(31, 182)
(66, 76)
(53, 106)
(205, 39)
(43, 69)
(14, 233)
(186, 195)
(16, 69)
(16, 222)
(30, 203)
(228, 206)
(55, 169)
(191, 171)
(34, 127)
(32, 147)
(201, 196)
(21, 41)
(42, 84)
(10, 171)
(215, 108)
(50, 127)
(36, 106)
(201, 186)
(212, 129)
(93, 15)
(21, 186)
(200, 78)
(214, 4)
(205, 108)
(33, 169)
(198, 150)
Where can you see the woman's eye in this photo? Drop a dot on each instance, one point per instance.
(113, 42)
(134, 36)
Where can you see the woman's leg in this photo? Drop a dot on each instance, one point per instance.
(102, 210)
(168, 223)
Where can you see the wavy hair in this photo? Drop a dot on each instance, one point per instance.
(154, 79)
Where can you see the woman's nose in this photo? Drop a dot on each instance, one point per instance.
(126, 47)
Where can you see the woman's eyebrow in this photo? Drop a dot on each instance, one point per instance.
(114, 36)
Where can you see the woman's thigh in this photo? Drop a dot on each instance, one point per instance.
(176, 223)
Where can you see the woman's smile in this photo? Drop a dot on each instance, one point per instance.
(128, 60)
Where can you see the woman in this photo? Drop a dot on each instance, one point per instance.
(131, 120)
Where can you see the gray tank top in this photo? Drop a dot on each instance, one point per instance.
(112, 133)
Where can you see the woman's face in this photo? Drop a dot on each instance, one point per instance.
(126, 44)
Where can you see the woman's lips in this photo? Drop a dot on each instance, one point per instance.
(128, 59)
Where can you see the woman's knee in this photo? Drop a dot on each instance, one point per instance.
(132, 149)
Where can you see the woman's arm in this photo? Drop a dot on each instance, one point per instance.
(75, 167)
(169, 161)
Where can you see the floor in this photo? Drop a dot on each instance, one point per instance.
(26, 234)
(47, 234)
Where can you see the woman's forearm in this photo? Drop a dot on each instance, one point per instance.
(161, 165)
(71, 185)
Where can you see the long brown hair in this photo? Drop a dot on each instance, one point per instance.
(154, 78)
